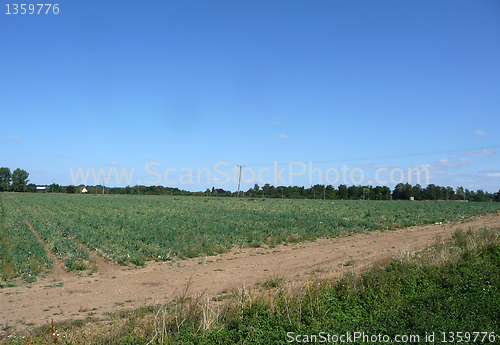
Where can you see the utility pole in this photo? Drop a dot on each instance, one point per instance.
(324, 192)
(103, 185)
(239, 181)
(281, 192)
(53, 185)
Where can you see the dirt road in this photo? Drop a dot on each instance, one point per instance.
(63, 296)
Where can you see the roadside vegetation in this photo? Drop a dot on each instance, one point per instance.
(453, 286)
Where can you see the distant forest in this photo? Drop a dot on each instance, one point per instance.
(18, 182)
(344, 192)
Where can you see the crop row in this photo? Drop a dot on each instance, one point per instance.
(21, 253)
(58, 235)
(132, 228)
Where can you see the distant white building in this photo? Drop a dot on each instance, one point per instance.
(41, 188)
(84, 190)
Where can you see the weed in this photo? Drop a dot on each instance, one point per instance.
(273, 281)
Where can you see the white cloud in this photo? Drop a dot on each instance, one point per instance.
(494, 175)
(485, 152)
(274, 122)
(282, 136)
(479, 133)
(12, 139)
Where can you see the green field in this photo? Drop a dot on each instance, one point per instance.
(134, 229)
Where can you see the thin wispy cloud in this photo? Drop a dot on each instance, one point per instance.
(113, 163)
(442, 166)
(373, 165)
(489, 171)
(282, 136)
(12, 139)
(277, 120)
(446, 164)
(484, 152)
(494, 175)
(479, 133)
(62, 156)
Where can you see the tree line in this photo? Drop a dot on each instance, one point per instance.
(17, 181)
(400, 192)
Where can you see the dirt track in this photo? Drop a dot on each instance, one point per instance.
(63, 296)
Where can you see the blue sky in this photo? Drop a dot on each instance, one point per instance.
(189, 84)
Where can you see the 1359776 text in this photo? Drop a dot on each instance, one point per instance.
(32, 8)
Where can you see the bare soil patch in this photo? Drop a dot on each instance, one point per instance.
(63, 296)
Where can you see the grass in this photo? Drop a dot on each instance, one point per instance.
(452, 285)
(349, 263)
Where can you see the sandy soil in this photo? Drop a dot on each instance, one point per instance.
(63, 296)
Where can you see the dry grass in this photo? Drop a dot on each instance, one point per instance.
(445, 250)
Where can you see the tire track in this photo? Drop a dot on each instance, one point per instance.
(103, 265)
(58, 269)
